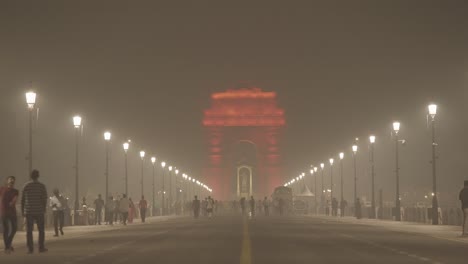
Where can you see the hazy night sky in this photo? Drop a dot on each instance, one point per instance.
(145, 70)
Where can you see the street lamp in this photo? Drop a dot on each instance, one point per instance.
(31, 101)
(77, 125)
(153, 162)
(372, 142)
(396, 129)
(107, 138)
(163, 165)
(435, 203)
(142, 156)
(176, 184)
(126, 146)
(323, 188)
(355, 149)
(341, 189)
(315, 189)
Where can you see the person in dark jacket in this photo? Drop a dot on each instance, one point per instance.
(464, 203)
(252, 206)
(33, 208)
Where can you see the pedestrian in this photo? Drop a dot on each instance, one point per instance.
(8, 197)
(110, 211)
(143, 206)
(205, 207)
(327, 208)
(33, 208)
(84, 206)
(252, 206)
(131, 211)
(343, 205)
(464, 203)
(117, 209)
(98, 205)
(56, 203)
(242, 205)
(196, 207)
(266, 206)
(209, 206)
(281, 206)
(358, 208)
(334, 207)
(259, 206)
(124, 207)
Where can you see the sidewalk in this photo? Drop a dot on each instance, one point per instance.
(77, 231)
(452, 233)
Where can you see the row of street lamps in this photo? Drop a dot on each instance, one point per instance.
(197, 186)
(432, 111)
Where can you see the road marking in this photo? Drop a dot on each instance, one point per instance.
(404, 253)
(246, 256)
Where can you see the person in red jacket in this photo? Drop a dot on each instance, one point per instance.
(8, 197)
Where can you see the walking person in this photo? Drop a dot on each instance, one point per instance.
(33, 208)
(209, 206)
(8, 197)
(143, 204)
(131, 211)
(124, 207)
(98, 205)
(464, 203)
(57, 205)
(252, 206)
(110, 211)
(196, 207)
(242, 205)
(117, 209)
(266, 206)
(334, 207)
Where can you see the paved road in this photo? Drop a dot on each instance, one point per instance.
(224, 240)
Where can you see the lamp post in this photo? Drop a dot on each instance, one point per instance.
(170, 189)
(153, 161)
(107, 138)
(435, 204)
(396, 129)
(355, 149)
(341, 155)
(322, 166)
(315, 191)
(126, 146)
(331, 179)
(31, 101)
(77, 124)
(315, 186)
(177, 193)
(163, 165)
(372, 142)
(142, 156)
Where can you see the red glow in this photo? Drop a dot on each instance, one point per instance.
(236, 109)
(258, 120)
(253, 93)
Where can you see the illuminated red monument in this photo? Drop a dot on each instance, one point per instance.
(243, 128)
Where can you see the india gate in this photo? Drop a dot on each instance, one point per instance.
(243, 133)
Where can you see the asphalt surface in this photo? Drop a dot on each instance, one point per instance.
(233, 239)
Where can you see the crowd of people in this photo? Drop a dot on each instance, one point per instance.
(209, 206)
(34, 202)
